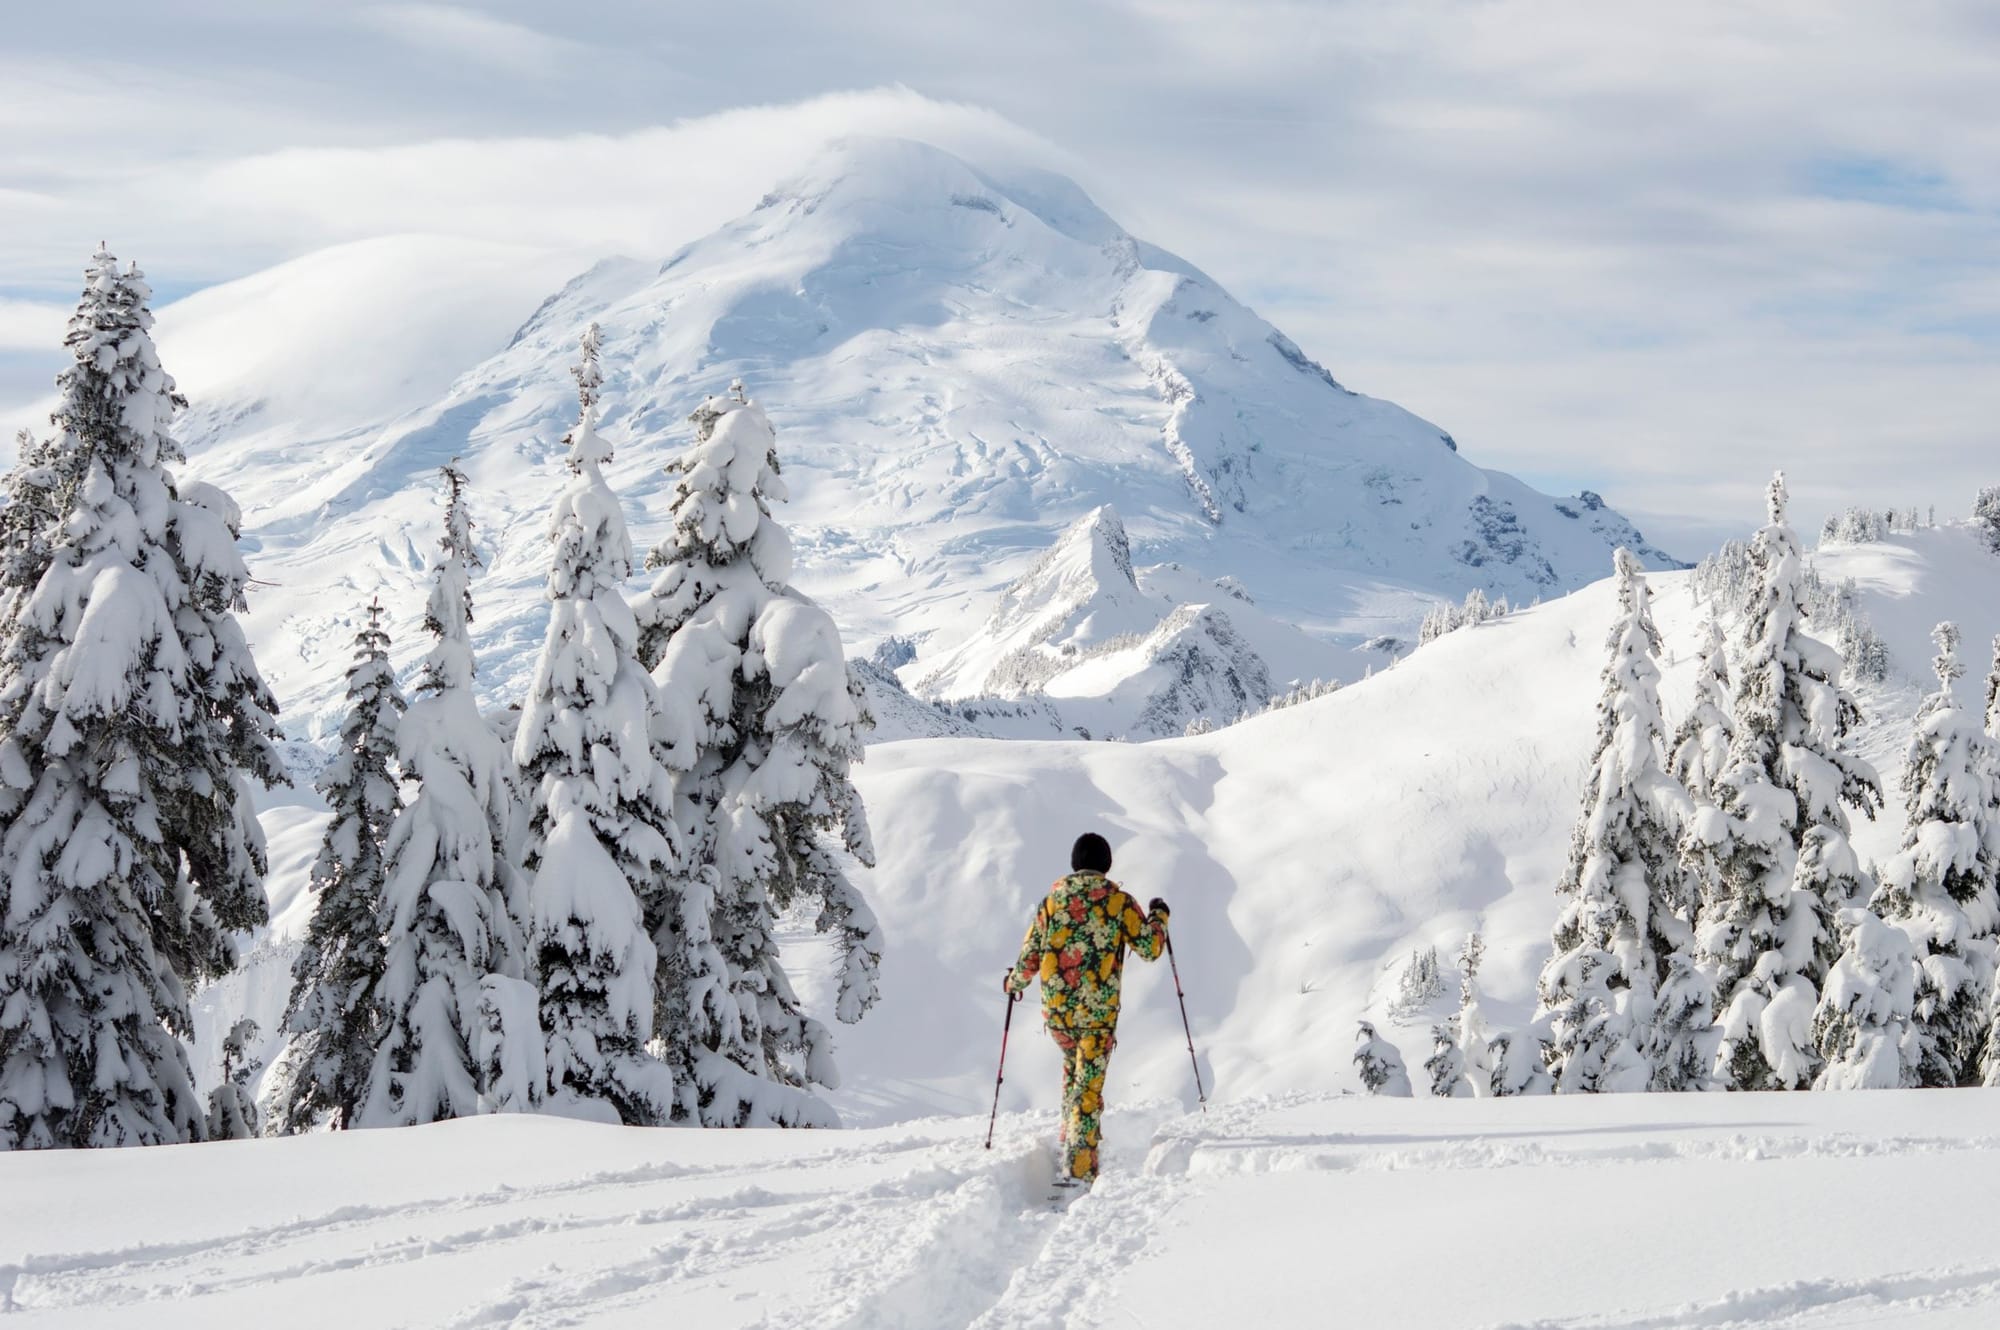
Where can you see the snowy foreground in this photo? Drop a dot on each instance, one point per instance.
(1803, 1210)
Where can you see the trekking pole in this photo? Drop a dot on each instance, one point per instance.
(1193, 1061)
(1001, 1074)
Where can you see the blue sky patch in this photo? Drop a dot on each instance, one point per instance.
(1882, 181)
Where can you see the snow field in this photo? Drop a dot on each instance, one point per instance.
(1294, 1210)
(535, 1221)
(1743, 1210)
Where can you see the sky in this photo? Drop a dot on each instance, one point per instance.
(1657, 251)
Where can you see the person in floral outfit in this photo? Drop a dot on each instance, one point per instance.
(1076, 947)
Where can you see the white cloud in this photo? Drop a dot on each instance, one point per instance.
(28, 325)
(465, 34)
(1655, 250)
(642, 192)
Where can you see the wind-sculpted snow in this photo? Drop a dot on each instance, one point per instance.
(959, 364)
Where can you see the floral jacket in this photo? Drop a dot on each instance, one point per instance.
(1076, 947)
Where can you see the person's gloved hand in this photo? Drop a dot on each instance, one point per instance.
(1007, 986)
(1157, 905)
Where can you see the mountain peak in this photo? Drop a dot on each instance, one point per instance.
(963, 362)
(1079, 594)
(876, 181)
(1089, 568)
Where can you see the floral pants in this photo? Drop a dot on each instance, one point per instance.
(1086, 1058)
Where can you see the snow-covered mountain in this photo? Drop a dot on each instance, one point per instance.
(961, 364)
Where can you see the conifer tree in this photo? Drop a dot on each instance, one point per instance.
(1446, 1064)
(1679, 1041)
(453, 892)
(1623, 911)
(1700, 747)
(1469, 1029)
(1993, 695)
(1380, 1065)
(131, 716)
(232, 1104)
(1865, 1025)
(1940, 888)
(1989, 1057)
(767, 724)
(1516, 1058)
(601, 836)
(334, 1014)
(1764, 933)
(27, 522)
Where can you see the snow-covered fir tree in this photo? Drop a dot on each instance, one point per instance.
(1420, 984)
(1865, 1024)
(1700, 747)
(1764, 933)
(1679, 1040)
(1939, 888)
(232, 1104)
(601, 838)
(453, 893)
(1623, 908)
(1993, 697)
(1517, 1060)
(131, 717)
(510, 1055)
(334, 1015)
(1469, 1028)
(1989, 1057)
(769, 725)
(27, 522)
(1445, 1064)
(1986, 516)
(1380, 1065)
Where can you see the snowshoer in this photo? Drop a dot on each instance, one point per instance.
(1076, 947)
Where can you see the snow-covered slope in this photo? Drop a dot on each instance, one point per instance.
(1686, 1212)
(961, 365)
(343, 340)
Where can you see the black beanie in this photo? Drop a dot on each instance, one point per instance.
(1090, 854)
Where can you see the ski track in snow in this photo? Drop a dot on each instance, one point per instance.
(973, 1221)
(925, 1230)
